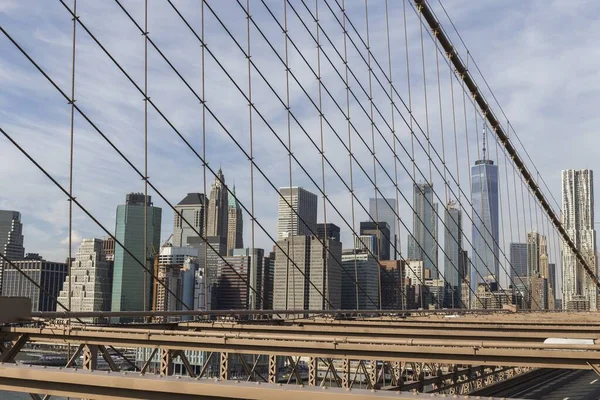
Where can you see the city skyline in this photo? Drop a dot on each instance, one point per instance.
(48, 221)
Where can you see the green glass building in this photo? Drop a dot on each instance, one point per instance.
(128, 274)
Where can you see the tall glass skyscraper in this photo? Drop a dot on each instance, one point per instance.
(128, 274)
(484, 196)
(454, 268)
(381, 211)
(424, 245)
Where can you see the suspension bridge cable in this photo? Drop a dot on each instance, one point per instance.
(398, 95)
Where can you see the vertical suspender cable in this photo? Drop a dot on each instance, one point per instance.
(350, 155)
(320, 84)
(204, 226)
(145, 259)
(373, 152)
(398, 239)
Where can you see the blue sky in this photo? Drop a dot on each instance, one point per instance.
(539, 57)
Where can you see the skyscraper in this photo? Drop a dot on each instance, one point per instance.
(314, 282)
(235, 225)
(174, 275)
(128, 275)
(518, 262)
(48, 275)
(193, 209)
(484, 197)
(90, 279)
(11, 238)
(305, 204)
(533, 253)
(218, 206)
(328, 231)
(454, 270)
(578, 221)
(367, 278)
(552, 279)
(240, 280)
(381, 231)
(385, 210)
(423, 245)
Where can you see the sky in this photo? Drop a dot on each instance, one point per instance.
(539, 58)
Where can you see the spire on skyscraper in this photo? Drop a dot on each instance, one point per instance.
(484, 137)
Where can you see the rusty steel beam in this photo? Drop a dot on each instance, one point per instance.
(237, 313)
(488, 113)
(123, 386)
(407, 330)
(473, 352)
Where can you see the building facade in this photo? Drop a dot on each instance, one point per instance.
(172, 273)
(381, 231)
(11, 238)
(518, 262)
(297, 212)
(385, 210)
(578, 221)
(306, 276)
(91, 279)
(454, 268)
(362, 280)
(235, 225)
(193, 209)
(328, 231)
(218, 206)
(49, 275)
(423, 244)
(393, 293)
(130, 280)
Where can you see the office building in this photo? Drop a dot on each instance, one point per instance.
(328, 231)
(381, 231)
(393, 293)
(415, 271)
(297, 212)
(172, 273)
(533, 253)
(306, 276)
(552, 280)
(192, 208)
(108, 246)
(240, 279)
(11, 238)
(49, 275)
(454, 268)
(578, 220)
(269, 275)
(209, 256)
(385, 210)
(361, 279)
(518, 262)
(423, 244)
(235, 225)
(131, 283)
(366, 242)
(218, 206)
(91, 279)
(485, 229)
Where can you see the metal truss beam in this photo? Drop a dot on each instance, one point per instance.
(439, 330)
(122, 386)
(470, 352)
